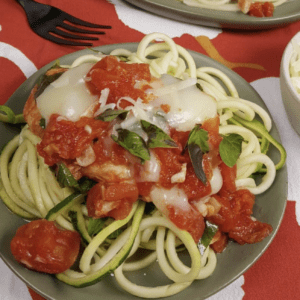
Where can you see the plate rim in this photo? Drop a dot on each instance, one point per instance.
(213, 18)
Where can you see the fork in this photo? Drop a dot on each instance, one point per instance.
(48, 21)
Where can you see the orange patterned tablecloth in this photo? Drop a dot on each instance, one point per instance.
(255, 55)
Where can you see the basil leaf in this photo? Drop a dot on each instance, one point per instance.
(65, 177)
(95, 225)
(43, 123)
(111, 114)
(197, 146)
(85, 184)
(45, 80)
(132, 142)
(230, 148)
(157, 138)
(209, 232)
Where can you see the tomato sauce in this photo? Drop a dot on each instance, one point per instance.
(114, 194)
(261, 9)
(234, 217)
(66, 140)
(121, 79)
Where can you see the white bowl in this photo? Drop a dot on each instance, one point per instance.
(290, 97)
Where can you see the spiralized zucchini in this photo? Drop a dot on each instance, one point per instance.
(30, 189)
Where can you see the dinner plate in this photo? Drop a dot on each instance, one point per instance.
(232, 263)
(173, 9)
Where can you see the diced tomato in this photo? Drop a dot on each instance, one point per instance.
(112, 200)
(229, 176)
(145, 188)
(40, 245)
(234, 218)
(120, 78)
(193, 187)
(212, 127)
(225, 218)
(191, 221)
(67, 140)
(268, 9)
(242, 202)
(247, 230)
(221, 243)
(259, 9)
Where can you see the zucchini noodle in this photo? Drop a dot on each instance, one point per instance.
(30, 188)
(224, 5)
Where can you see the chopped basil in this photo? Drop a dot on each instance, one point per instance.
(66, 179)
(198, 85)
(132, 142)
(85, 184)
(197, 146)
(43, 123)
(157, 138)
(230, 148)
(46, 80)
(209, 233)
(95, 225)
(111, 114)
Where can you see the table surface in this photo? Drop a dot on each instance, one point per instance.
(254, 55)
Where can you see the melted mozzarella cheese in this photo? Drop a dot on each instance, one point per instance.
(67, 96)
(188, 106)
(150, 170)
(162, 197)
(216, 181)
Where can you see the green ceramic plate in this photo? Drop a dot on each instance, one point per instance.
(173, 9)
(233, 262)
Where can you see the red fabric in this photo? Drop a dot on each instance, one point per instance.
(276, 274)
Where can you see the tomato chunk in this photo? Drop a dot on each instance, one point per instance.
(41, 246)
(111, 200)
(191, 221)
(259, 9)
(119, 77)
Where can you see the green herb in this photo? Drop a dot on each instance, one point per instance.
(157, 138)
(45, 80)
(95, 225)
(132, 142)
(66, 179)
(209, 232)
(111, 114)
(149, 208)
(198, 85)
(85, 184)
(197, 146)
(43, 123)
(230, 148)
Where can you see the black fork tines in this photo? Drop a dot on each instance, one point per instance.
(77, 21)
(79, 30)
(53, 24)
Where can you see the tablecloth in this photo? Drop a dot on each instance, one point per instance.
(255, 55)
